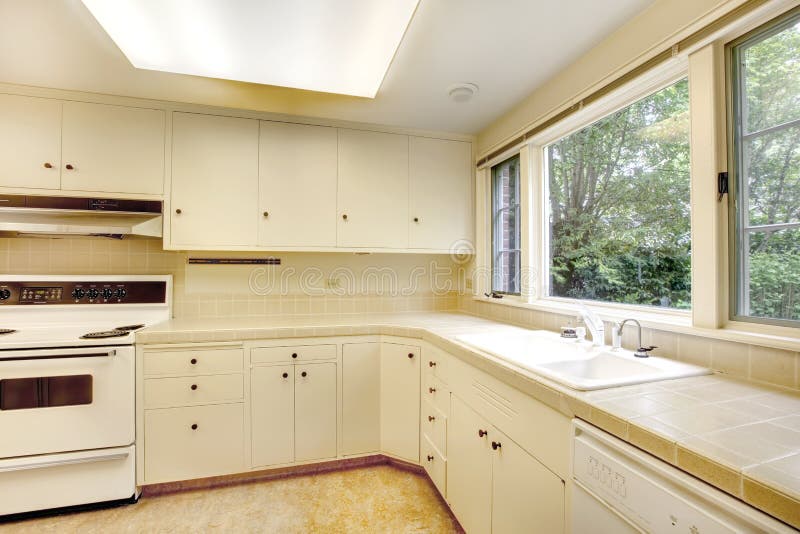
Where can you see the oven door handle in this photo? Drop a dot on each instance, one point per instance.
(16, 465)
(58, 355)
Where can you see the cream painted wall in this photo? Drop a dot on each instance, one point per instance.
(653, 30)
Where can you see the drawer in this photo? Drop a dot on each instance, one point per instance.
(435, 465)
(174, 450)
(436, 392)
(193, 362)
(188, 390)
(434, 426)
(290, 354)
(435, 362)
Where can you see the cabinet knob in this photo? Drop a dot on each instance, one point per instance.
(431, 364)
(496, 445)
(194, 426)
(431, 390)
(344, 216)
(285, 375)
(431, 418)
(482, 433)
(410, 355)
(69, 166)
(266, 214)
(304, 374)
(178, 211)
(416, 219)
(430, 458)
(294, 355)
(48, 165)
(194, 387)
(193, 361)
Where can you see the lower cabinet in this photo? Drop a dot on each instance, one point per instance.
(293, 413)
(493, 485)
(399, 383)
(361, 398)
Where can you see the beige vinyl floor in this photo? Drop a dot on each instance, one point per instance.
(377, 499)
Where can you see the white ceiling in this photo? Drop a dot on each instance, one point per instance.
(506, 47)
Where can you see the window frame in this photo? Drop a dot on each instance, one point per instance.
(494, 229)
(736, 192)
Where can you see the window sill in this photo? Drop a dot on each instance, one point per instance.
(678, 322)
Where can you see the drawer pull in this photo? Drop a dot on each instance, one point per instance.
(431, 364)
(194, 387)
(496, 445)
(294, 355)
(304, 374)
(194, 426)
(431, 418)
(193, 361)
(482, 433)
(48, 165)
(431, 390)
(410, 355)
(430, 458)
(285, 375)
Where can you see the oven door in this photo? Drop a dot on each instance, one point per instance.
(57, 400)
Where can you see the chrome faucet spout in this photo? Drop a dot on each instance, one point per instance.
(641, 350)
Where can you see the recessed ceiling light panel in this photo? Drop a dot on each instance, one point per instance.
(341, 46)
(462, 92)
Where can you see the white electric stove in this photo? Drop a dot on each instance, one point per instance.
(67, 386)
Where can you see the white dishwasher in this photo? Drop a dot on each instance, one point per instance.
(617, 488)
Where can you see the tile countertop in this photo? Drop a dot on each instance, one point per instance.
(741, 437)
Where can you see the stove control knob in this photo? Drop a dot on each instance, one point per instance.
(107, 293)
(78, 293)
(5, 294)
(93, 293)
(121, 292)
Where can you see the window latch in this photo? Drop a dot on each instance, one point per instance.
(493, 295)
(722, 185)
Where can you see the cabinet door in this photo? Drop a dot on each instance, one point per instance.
(361, 398)
(469, 468)
(526, 496)
(297, 185)
(272, 417)
(30, 139)
(214, 181)
(440, 206)
(400, 372)
(373, 189)
(314, 411)
(112, 149)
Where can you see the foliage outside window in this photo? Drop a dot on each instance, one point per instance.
(506, 227)
(766, 89)
(619, 205)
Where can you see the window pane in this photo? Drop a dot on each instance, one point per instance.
(619, 205)
(766, 88)
(771, 79)
(506, 227)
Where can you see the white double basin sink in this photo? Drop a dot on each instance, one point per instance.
(577, 365)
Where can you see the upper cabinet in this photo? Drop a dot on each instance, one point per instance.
(214, 199)
(440, 193)
(30, 142)
(54, 145)
(373, 190)
(297, 185)
(112, 149)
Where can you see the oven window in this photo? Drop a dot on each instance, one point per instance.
(45, 392)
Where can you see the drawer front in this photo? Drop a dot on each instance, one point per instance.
(436, 362)
(435, 465)
(193, 362)
(437, 393)
(434, 426)
(176, 451)
(189, 390)
(297, 353)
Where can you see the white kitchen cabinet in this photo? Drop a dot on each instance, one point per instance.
(112, 149)
(314, 411)
(440, 199)
(297, 185)
(372, 189)
(400, 393)
(30, 142)
(361, 398)
(272, 414)
(493, 485)
(214, 181)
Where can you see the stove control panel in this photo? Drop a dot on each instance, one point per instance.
(40, 293)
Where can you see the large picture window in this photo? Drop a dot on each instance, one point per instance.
(619, 205)
(766, 104)
(506, 215)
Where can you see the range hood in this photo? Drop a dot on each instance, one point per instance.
(24, 215)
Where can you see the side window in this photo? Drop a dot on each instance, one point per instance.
(506, 227)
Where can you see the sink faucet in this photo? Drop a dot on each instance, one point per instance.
(594, 324)
(616, 339)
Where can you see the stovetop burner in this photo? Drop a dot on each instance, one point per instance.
(105, 334)
(4, 331)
